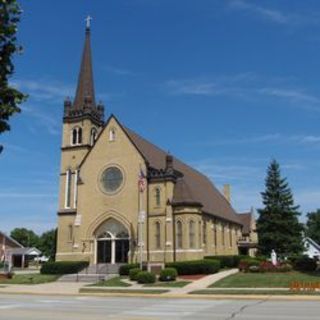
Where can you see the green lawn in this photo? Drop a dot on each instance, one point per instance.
(173, 284)
(265, 280)
(133, 291)
(113, 282)
(30, 279)
(251, 292)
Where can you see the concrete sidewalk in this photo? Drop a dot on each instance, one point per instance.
(59, 288)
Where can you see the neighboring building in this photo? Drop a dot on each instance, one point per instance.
(248, 242)
(7, 243)
(312, 249)
(109, 174)
(14, 253)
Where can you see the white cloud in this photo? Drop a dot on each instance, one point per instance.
(247, 86)
(43, 90)
(273, 15)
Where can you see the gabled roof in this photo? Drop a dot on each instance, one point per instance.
(246, 219)
(25, 251)
(193, 186)
(313, 243)
(11, 239)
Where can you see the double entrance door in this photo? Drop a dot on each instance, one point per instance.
(112, 250)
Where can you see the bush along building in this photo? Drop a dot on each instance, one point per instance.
(122, 199)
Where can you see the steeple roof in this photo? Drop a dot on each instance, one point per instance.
(85, 89)
(84, 104)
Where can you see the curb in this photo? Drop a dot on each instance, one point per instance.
(173, 296)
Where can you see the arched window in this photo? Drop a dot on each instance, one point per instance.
(223, 236)
(76, 136)
(179, 234)
(158, 234)
(191, 234)
(112, 134)
(230, 235)
(93, 136)
(158, 197)
(199, 234)
(67, 203)
(79, 136)
(214, 227)
(204, 232)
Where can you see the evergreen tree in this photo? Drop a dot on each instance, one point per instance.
(10, 98)
(313, 226)
(47, 243)
(278, 226)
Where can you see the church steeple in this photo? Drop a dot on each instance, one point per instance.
(84, 104)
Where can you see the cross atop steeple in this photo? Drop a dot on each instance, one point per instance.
(88, 22)
(84, 104)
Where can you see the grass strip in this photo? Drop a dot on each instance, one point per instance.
(133, 291)
(30, 279)
(253, 292)
(173, 284)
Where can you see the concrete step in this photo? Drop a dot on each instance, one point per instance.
(102, 268)
(90, 278)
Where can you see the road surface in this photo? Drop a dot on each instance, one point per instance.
(14, 307)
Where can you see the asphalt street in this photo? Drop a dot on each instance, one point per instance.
(91, 308)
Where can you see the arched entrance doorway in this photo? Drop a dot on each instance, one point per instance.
(112, 242)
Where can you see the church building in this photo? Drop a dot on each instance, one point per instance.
(123, 199)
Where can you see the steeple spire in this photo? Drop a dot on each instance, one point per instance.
(84, 103)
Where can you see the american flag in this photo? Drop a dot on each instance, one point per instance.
(142, 181)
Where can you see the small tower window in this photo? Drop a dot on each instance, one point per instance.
(112, 134)
(158, 197)
(93, 136)
(76, 136)
(79, 135)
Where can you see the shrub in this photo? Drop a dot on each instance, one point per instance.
(1, 265)
(231, 261)
(246, 263)
(254, 269)
(305, 263)
(125, 269)
(285, 267)
(63, 267)
(207, 266)
(168, 274)
(146, 277)
(133, 274)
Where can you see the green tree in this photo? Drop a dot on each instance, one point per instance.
(47, 243)
(10, 98)
(313, 226)
(278, 226)
(25, 237)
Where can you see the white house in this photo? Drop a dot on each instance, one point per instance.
(312, 249)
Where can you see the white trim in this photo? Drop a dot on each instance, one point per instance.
(177, 251)
(67, 190)
(73, 253)
(75, 189)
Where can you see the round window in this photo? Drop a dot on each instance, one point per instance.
(111, 179)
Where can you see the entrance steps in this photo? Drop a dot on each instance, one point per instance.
(93, 273)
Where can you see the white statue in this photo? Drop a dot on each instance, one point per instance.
(273, 257)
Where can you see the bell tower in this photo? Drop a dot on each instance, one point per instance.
(83, 119)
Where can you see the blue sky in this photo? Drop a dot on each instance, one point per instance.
(224, 85)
